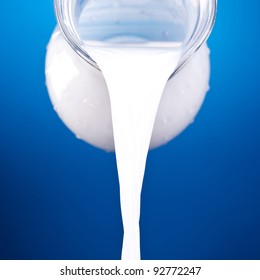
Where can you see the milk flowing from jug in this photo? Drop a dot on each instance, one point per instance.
(136, 79)
(136, 72)
(137, 44)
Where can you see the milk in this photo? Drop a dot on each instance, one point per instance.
(136, 78)
(136, 73)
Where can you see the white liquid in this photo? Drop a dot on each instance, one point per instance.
(136, 78)
(136, 68)
(79, 95)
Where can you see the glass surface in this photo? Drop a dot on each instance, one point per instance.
(183, 24)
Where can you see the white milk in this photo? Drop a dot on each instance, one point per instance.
(136, 72)
(130, 43)
(136, 78)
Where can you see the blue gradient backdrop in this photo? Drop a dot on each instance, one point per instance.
(59, 197)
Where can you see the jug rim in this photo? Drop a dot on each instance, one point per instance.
(62, 12)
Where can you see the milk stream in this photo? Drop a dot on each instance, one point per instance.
(80, 97)
(137, 45)
(136, 78)
(136, 58)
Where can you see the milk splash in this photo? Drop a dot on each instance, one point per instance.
(136, 78)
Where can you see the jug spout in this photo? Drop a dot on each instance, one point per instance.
(182, 24)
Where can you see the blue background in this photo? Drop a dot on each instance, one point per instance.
(59, 197)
